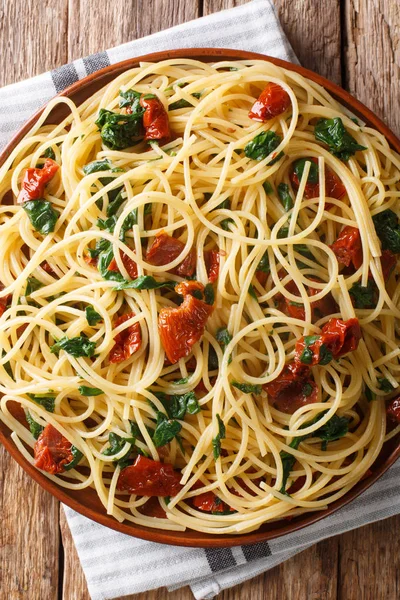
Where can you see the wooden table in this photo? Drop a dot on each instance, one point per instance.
(355, 43)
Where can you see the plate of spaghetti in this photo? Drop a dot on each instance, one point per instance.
(200, 297)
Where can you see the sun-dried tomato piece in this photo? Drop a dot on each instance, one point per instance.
(152, 508)
(148, 477)
(321, 308)
(211, 258)
(127, 342)
(388, 263)
(273, 101)
(209, 502)
(52, 451)
(155, 118)
(165, 249)
(180, 328)
(337, 338)
(348, 247)
(293, 388)
(129, 264)
(393, 409)
(34, 181)
(46, 267)
(334, 187)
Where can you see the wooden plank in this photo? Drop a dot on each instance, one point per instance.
(29, 536)
(24, 53)
(109, 24)
(369, 562)
(372, 56)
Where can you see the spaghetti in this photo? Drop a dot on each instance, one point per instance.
(200, 303)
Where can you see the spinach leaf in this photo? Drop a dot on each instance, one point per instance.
(216, 442)
(34, 427)
(92, 316)
(49, 153)
(333, 430)
(284, 196)
(77, 456)
(385, 385)
(144, 282)
(32, 284)
(363, 296)
(263, 265)
(288, 461)
(224, 204)
(115, 201)
(247, 388)
(116, 443)
(119, 131)
(212, 361)
(333, 133)
(388, 230)
(226, 224)
(183, 103)
(209, 295)
(96, 166)
(45, 400)
(262, 145)
(104, 260)
(42, 215)
(313, 174)
(252, 292)
(101, 245)
(180, 404)
(130, 99)
(165, 431)
(223, 337)
(76, 346)
(267, 187)
(89, 391)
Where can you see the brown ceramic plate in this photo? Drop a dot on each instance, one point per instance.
(86, 501)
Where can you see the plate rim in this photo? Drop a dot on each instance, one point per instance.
(193, 538)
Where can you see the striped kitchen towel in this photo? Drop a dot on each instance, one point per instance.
(115, 564)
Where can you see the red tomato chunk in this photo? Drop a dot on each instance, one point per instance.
(293, 388)
(334, 188)
(337, 338)
(211, 258)
(52, 451)
(393, 409)
(348, 247)
(127, 342)
(155, 118)
(148, 477)
(35, 180)
(129, 264)
(209, 502)
(272, 102)
(165, 249)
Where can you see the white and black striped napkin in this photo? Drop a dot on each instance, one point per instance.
(116, 564)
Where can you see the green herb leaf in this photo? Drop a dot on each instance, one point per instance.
(183, 103)
(363, 296)
(130, 99)
(333, 133)
(223, 337)
(89, 391)
(92, 316)
(226, 224)
(313, 174)
(385, 385)
(119, 131)
(263, 265)
(77, 346)
(216, 442)
(116, 444)
(209, 295)
(267, 187)
(34, 427)
(45, 400)
(180, 404)
(284, 196)
(96, 166)
(144, 282)
(105, 257)
(262, 145)
(388, 230)
(165, 431)
(49, 153)
(32, 285)
(77, 456)
(42, 215)
(252, 292)
(247, 388)
(333, 430)
(212, 362)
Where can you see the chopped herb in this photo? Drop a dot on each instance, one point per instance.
(144, 282)
(49, 153)
(42, 215)
(307, 389)
(89, 391)
(283, 233)
(76, 346)
(119, 131)
(284, 196)
(34, 427)
(183, 103)
(263, 145)
(313, 174)
(363, 296)
(247, 388)
(216, 442)
(165, 431)
(333, 133)
(226, 224)
(107, 224)
(385, 385)
(77, 456)
(333, 430)
(116, 444)
(45, 400)
(32, 285)
(180, 404)
(96, 166)
(224, 204)
(209, 295)
(263, 265)
(388, 230)
(267, 187)
(130, 99)
(92, 316)
(223, 337)
(252, 292)
(105, 256)
(369, 394)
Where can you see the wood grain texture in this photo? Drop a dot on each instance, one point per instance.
(24, 53)
(343, 568)
(372, 56)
